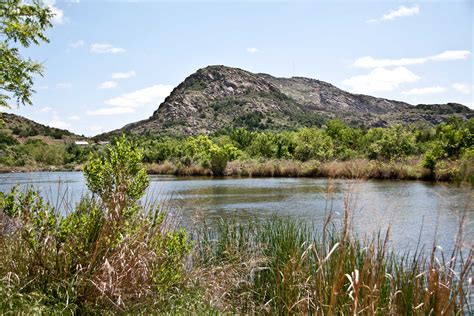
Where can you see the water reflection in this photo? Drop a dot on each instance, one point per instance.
(405, 206)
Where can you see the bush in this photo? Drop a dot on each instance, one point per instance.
(108, 254)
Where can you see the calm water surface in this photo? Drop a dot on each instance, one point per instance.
(405, 206)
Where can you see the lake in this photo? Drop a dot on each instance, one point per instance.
(406, 206)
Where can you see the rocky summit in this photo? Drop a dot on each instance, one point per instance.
(219, 97)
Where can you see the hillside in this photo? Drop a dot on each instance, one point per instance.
(23, 129)
(218, 97)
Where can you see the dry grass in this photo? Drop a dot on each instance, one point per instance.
(406, 169)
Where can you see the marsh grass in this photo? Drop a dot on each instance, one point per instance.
(404, 169)
(283, 266)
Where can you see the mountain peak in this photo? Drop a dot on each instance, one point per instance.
(218, 96)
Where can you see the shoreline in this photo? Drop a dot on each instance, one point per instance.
(410, 169)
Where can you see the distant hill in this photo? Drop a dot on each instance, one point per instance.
(22, 128)
(218, 97)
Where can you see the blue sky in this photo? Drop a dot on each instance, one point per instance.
(110, 63)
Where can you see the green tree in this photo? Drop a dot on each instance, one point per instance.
(21, 24)
(313, 143)
(263, 145)
(117, 176)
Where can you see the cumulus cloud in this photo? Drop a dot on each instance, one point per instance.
(129, 102)
(58, 123)
(151, 95)
(110, 111)
(252, 50)
(380, 79)
(58, 14)
(400, 12)
(461, 87)
(451, 55)
(74, 117)
(107, 85)
(77, 44)
(102, 48)
(123, 75)
(425, 90)
(370, 62)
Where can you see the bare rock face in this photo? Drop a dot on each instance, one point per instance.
(220, 97)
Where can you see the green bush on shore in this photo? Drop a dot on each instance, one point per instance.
(108, 254)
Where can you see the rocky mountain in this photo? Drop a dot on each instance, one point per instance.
(22, 128)
(218, 97)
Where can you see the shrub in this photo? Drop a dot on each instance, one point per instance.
(109, 254)
(218, 160)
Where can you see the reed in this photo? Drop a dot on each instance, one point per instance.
(406, 169)
(283, 266)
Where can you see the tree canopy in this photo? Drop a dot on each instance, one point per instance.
(21, 24)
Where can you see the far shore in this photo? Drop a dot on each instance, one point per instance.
(448, 171)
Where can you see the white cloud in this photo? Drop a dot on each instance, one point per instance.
(99, 48)
(380, 79)
(461, 87)
(58, 14)
(151, 95)
(74, 117)
(110, 111)
(252, 50)
(400, 12)
(425, 90)
(370, 62)
(77, 44)
(128, 102)
(46, 109)
(107, 85)
(451, 55)
(42, 88)
(123, 75)
(58, 123)
(64, 85)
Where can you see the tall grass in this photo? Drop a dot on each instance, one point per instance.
(283, 266)
(403, 169)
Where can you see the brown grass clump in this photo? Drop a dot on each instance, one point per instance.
(164, 168)
(404, 169)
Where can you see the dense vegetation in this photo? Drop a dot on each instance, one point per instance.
(111, 254)
(334, 140)
(445, 152)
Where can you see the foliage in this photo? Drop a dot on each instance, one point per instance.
(22, 23)
(107, 254)
(117, 175)
(335, 141)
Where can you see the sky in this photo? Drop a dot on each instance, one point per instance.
(110, 63)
